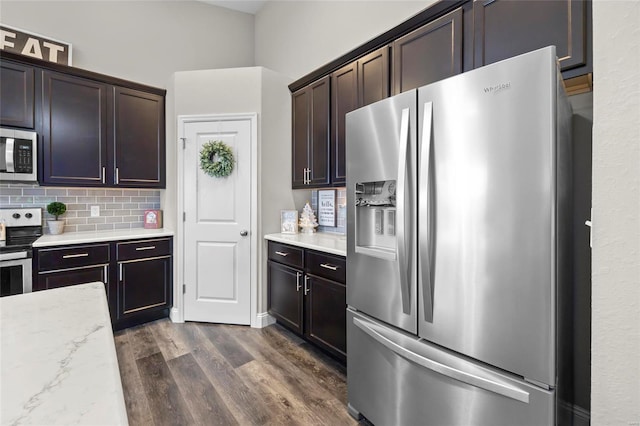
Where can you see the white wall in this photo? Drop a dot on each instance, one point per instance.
(247, 90)
(296, 37)
(142, 41)
(615, 368)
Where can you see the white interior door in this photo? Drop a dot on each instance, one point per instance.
(217, 246)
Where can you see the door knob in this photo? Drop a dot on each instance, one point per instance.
(244, 233)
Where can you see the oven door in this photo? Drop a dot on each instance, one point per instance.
(16, 276)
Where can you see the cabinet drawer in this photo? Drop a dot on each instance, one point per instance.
(288, 255)
(72, 256)
(327, 266)
(140, 249)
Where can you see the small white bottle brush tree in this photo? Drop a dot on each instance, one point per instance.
(308, 221)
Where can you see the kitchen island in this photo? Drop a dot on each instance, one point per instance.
(58, 359)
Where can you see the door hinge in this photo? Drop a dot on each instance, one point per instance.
(184, 141)
(184, 288)
(184, 216)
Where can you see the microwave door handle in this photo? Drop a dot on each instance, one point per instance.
(401, 225)
(9, 153)
(424, 231)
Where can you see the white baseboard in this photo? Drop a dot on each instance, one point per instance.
(263, 320)
(175, 316)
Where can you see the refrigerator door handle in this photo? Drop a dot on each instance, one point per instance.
(385, 338)
(401, 231)
(424, 267)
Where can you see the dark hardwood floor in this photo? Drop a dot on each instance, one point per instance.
(211, 374)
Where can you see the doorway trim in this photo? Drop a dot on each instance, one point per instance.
(177, 311)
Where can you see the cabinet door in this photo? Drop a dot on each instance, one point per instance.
(67, 277)
(74, 131)
(143, 285)
(139, 139)
(300, 137)
(320, 133)
(508, 28)
(373, 77)
(327, 315)
(16, 95)
(284, 295)
(344, 98)
(430, 53)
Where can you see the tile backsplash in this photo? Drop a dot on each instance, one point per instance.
(119, 208)
(341, 213)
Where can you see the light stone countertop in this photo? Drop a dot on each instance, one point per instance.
(322, 241)
(66, 238)
(59, 363)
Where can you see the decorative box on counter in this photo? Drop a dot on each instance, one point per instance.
(153, 219)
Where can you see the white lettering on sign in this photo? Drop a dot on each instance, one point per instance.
(32, 48)
(53, 50)
(3, 39)
(35, 46)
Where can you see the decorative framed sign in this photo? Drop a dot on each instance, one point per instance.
(289, 221)
(327, 207)
(34, 45)
(153, 219)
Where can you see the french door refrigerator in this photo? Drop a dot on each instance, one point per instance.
(458, 202)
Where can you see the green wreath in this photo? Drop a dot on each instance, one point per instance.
(216, 159)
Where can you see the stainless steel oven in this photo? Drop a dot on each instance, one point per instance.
(18, 155)
(23, 227)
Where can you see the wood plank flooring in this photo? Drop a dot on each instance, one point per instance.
(212, 374)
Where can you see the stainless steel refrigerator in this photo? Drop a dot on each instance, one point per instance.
(458, 200)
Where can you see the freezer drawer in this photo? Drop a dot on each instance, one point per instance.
(395, 379)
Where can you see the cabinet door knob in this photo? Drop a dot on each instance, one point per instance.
(244, 233)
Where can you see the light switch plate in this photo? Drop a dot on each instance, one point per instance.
(95, 211)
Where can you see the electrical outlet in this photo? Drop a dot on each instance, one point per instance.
(95, 211)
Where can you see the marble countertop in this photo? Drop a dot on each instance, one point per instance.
(97, 236)
(321, 241)
(59, 363)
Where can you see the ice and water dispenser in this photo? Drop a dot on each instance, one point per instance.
(375, 218)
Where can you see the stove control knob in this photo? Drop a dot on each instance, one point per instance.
(28, 215)
(16, 215)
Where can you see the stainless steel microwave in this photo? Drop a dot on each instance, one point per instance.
(18, 155)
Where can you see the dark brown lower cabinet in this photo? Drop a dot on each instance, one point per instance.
(284, 297)
(327, 314)
(308, 295)
(143, 285)
(137, 275)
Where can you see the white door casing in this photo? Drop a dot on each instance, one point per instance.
(217, 261)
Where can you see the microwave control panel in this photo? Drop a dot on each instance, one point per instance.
(23, 157)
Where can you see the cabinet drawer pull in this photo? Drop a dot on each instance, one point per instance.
(281, 253)
(145, 248)
(71, 256)
(327, 266)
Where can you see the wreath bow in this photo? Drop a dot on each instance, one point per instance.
(216, 159)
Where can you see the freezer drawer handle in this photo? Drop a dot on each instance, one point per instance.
(424, 217)
(379, 334)
(327, 266)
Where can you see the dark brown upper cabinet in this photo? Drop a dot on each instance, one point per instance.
(96, 134)
(428, 54)
(355, 85)
(373, 77)
(74, 130)
(344, 98)
(506, 28)
(311, 135)
(17, 95)
(139, 139)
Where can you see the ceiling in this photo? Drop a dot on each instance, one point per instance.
(247, 6)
